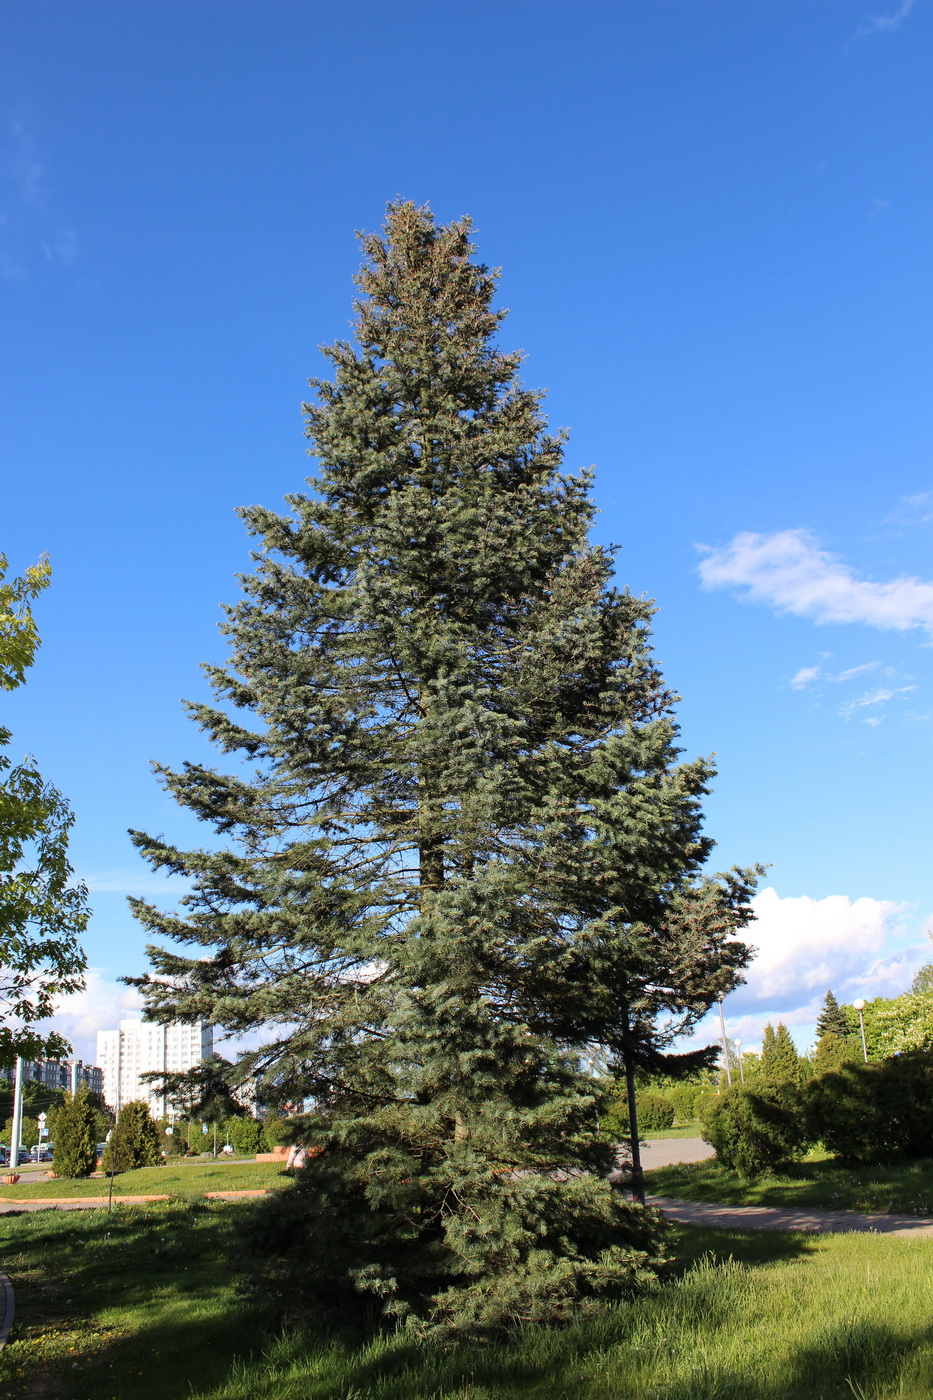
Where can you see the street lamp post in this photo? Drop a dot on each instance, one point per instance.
(859, 1005)
(738, 1051)
(725, 1044)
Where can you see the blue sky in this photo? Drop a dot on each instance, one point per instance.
(714, 226)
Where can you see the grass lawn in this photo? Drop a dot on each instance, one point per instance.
(690, 1130)
(180, 1177)
(819, 1180)
(139, 1306)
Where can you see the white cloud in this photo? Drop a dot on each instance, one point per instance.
(789, 572)
(857, 671)
(806, 945)
(805, 676)
(873, 698)
(99, 1007)
(858, 947)
(913, 510)
(23, 166)
(883, 24)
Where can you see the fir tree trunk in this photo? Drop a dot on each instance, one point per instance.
(637, 1174)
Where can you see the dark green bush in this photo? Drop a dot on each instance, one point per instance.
(245, 1136)
(74, 1154)
(329, 1247)
(877, 1112)
(684, 1098)
(754, 1131)
(275, 1133)
(706, 1103)
(134, 1140)
(655, 1112)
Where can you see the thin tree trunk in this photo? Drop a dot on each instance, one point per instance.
(638, 1176)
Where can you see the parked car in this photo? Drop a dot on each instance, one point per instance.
(24, 1155)
(41, 1154)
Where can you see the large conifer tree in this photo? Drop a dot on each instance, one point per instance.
(461, 845)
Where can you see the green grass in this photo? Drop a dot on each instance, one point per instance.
(690, 1130)
(180, 1177)
(133, 1305)
(819, 1180)
(783, 1318)
(140, 1306)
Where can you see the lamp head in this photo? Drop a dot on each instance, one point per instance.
(859, 1003)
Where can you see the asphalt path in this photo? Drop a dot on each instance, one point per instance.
(668, 1152)
(810, 1222)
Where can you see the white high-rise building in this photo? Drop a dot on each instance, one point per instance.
(146, 1047)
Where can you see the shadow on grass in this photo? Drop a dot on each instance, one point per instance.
(848, 1361)
(137, 1302)
(605, 1360)
(149, 1292)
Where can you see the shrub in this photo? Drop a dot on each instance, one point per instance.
(875, 1112)
(74, 1154)
(832, 1052)
(29, 1132)
(134, 1141)
(275, 1132)
(684, 1098)
(706, 1104)
(755, 1131)
(245, 1135)
(655, 1112)
(173, 1144)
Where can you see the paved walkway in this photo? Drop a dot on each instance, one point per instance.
(667, 1152)
(835, 1222)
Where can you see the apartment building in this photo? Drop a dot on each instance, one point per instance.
(145, 1047)
(59, 1074)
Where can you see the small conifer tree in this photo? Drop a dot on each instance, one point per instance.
(462, 848)
(780, 1063)
(134, 1140)
(74, 1153)
(832, 1019)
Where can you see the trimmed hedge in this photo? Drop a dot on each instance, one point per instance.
(684, 1098)
(877, 1112)
(754, 1131)
(655, 1112)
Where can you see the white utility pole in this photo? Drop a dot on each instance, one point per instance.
(17, 1115)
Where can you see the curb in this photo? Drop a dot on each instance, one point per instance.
(51, 1202)
(79, 1200)
(9, 1310)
